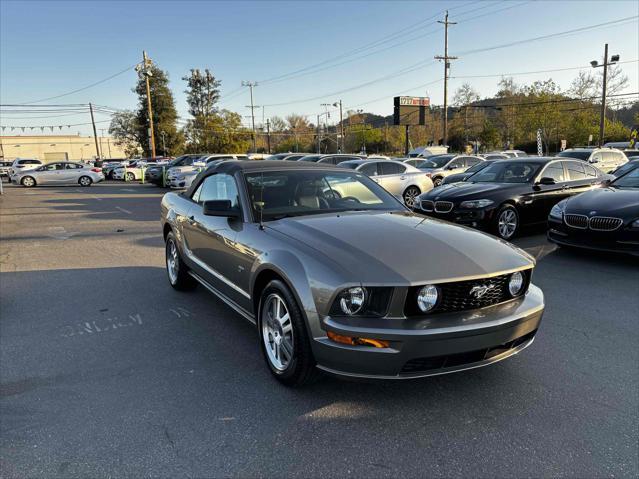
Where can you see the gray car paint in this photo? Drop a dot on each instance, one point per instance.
(319, 255)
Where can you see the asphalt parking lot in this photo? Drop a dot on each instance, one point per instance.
(106, 371)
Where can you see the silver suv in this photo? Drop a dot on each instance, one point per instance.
(23, 164)
(606, 159)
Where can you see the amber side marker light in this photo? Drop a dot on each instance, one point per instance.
(376, 343)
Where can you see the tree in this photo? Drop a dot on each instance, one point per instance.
(465, 96)
(164, 113)
(126, 131)
(202, 93)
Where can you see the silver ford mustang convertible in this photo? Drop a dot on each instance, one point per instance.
(339, 276)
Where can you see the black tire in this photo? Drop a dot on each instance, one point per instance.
(410, 195)
(28, 182)
(85, 181)
(130, 176)
(301, 367)
(437, 181)
(181, 280)
(505, 213)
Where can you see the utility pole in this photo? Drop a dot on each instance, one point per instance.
(406, 143)
(95, 133)
(341, 124)
(446, 59)
(268, 136)
(602, 117)
(162, 134)
(318, 135)
(252, 84)
(144, 69)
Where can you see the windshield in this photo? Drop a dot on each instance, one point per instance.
(478, 167)
(435, 161)
(629, 180)
(349, 164)
(280, 194)
(506, 172)
(578, 154)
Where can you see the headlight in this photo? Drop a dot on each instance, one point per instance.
(516, 283)
(180, 178)
(635, 224)
(557, 211)
(427, 298)
(352, 300)
(476, 203)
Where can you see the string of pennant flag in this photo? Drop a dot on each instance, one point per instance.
(46, 127)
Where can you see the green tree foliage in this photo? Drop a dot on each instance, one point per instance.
(126, 131)
(164, 114)
(211, 130)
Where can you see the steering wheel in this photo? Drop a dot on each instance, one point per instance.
(351, 198)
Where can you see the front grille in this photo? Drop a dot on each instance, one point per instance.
(465, 295)
(596, 223)
(433, 363)
(427, 205)
(576, 221)
(604, 223)
(443, 207)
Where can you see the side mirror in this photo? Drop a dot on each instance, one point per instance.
(220, 208)
(594, 160)
(547, 181)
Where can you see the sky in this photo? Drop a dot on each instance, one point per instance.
(301, 54)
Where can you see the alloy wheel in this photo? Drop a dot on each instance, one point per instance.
(410, 195)
(507, 223)
(85, 181)
(437, 182)
(130, 177)
(277, 332)
(172, 261)
(28, 181)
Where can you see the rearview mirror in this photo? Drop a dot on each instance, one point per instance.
(220, 208)
(547, 181)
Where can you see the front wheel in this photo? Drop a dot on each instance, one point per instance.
(283, 336)
(177, 271)
(507, 222)
(85, 181)
(28, 181)
(437, 181)
(410, 195)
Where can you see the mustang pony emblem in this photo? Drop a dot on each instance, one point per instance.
(480, 291)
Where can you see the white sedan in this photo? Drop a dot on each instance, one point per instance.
(399, 179)
(60, 173)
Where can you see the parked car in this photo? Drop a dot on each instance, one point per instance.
(109, 166)
(59, 173)
(399, 179)
(24, 164)
(311, 158)
(468, 173)
(495, 156)
(5, 170)
(332, 159)
(129, 172)
(413, 161)
(427, 151)
(153, 174)
(184, 180)
(281, 156)
(606, 159)
(604, 219)
(440, 166)
(514, 153)
(323, 281)
(510, 193)
(626, 167)
(200, 163)
(294, 156)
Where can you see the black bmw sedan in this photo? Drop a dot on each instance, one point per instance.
(510, 193)
(605, 218)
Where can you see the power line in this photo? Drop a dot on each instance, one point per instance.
(532, 72)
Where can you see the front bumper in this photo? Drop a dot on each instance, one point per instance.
(481, 218)
(622, 240)
(428, 346)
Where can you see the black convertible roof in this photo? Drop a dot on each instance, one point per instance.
(232, 167)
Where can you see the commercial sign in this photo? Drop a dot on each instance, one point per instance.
(410, 110)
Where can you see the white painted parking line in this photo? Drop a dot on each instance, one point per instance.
(96, 198)
(128, 189)
(123, 210)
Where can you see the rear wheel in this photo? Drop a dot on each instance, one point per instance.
(28, 181)
(410, 195)
(176, 270)
(507, 222)
(130, 176)
(284, 339)
(85, 181)
(437, 181)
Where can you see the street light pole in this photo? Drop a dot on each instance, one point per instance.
(146, 71)
(341, 124)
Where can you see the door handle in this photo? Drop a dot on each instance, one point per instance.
(402, 177)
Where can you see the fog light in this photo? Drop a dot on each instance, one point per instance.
(352, 300)
(516, 283)
(427, 298)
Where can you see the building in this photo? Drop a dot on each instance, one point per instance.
(58, 147)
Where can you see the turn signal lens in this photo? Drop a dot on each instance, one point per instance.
(351, 341)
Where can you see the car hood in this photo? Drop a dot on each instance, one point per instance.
(402, 248)
(464, 190)
(622, 202)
